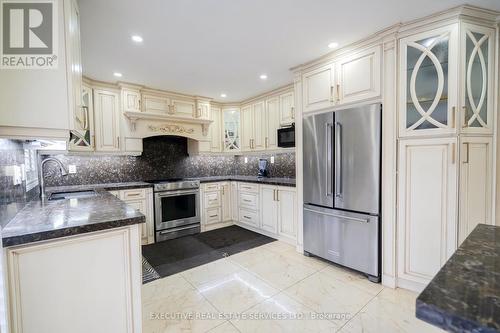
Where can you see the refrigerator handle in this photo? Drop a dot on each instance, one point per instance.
(338, 159)
(328, 167)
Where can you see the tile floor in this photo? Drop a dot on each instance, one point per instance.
(272, 288)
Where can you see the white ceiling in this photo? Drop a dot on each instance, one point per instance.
(206, 47)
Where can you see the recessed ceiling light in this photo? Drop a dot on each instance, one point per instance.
(223, 95)
(137, 38)
(263, 76)
(117, 74)
(333, 45)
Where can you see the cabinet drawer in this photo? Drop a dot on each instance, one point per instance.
(134, 194)
(213, 215)
(212, 199)
(249, 200)
(248, 187)
(211, 187)
(249, 217)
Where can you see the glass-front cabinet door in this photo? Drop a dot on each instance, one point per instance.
(82, 135)
(477, 78)
(428, 72)
(231, 124)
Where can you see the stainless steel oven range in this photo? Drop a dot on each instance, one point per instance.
(177, 208)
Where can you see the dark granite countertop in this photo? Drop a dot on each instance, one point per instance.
(249, 179)
(464, 296)
(104, 186)
(42, 219)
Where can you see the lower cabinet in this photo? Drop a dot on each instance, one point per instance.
(475, 196)
(215, 205)
(427, 207)
(84, 283)
(142, 200)
(267, 209)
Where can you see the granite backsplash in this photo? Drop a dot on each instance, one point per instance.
(162, 157)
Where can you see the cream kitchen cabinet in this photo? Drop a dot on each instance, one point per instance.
(247, 126)
(318, 88)
(428, 71)
(359, 76)
(82, 136)
(231, 129)
(107, 120)
(278, 211)
(52, 283)
(477, 78)
(269, 211)
(215, 130)
(234, 201)
(427, 204)
(272, 122)
(42, 103)
(142, 200)
(131, 100)
(287, 108)
(249, 204)
(476, 181)
(216, 205)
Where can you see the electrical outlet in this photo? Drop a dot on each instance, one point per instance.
(72, 168)
(272, 159)
(246, 159)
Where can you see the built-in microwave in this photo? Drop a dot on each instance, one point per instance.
(286, 136)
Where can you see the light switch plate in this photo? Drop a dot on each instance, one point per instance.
(72, 168)
(272, 159)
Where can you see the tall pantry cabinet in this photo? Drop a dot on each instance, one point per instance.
(446, 116)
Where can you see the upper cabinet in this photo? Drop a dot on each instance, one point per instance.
(203, 109)
(350, 79)
(154, 103)
(247, 126)
(231, 129)
(183, 108)
(82, 135)
(428, 76)
(107, 120)
(215, 130)
(318, 88)
(287, 108)
(272, 122)
(41, 102)
(358, 76)
(477, 78)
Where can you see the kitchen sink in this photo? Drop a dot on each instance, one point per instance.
(72, 195)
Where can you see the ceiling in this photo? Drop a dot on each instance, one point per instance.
(209, 47)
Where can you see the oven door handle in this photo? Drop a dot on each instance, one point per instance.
(175, 193)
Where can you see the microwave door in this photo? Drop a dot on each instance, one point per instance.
(357, 154)
(318, 159)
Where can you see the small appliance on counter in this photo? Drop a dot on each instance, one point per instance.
(263, 168)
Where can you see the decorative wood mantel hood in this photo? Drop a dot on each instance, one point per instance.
(146, 124)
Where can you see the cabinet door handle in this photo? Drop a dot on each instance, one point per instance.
(277, 195)
(292, 112)
(338, 92)
(118, 142)
(139, 104)
(213, 215)
(332, 99)
(467, 153)
(247, 217)
(453, 116)
(453, 157)
(223, 192)
(267, 139)
(466, 123)
(133, 194)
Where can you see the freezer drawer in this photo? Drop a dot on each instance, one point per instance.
(348, 239)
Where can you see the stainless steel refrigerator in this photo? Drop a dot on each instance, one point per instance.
(342, 157)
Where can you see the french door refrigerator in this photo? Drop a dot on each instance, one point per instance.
(342, 156)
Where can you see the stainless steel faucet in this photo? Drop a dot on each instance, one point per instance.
(40, 173)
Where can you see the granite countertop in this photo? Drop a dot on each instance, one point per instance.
(464, 296)
(103, 186)
(249, 179)
(43, 219)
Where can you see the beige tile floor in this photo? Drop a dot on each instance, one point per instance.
(272, 288)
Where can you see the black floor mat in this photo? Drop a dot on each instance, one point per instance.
(177, 255)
